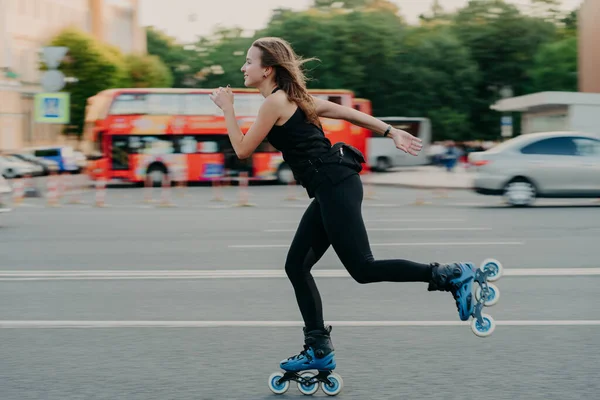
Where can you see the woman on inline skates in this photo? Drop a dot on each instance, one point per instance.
(289, 119)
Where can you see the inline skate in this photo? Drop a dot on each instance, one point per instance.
(458, 278)
(318, 355)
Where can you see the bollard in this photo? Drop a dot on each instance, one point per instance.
(18, 192)
(52, 191)
(165, 195)
(74, 190)
(148, 188)
(217, 191)
(100, 200)
(182, 182)
(243, 191)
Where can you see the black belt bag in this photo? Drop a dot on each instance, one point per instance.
(341, 153)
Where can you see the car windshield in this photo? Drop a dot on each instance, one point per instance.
(509, 144)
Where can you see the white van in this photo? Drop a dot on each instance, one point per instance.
(383, 155)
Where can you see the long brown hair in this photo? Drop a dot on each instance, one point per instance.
(289, 77)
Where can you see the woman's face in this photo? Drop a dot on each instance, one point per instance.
(252, 69)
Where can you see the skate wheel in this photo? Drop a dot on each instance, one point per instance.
(308, 388)
(485, 329)
(494, 267)
(335, 385)
(493, 295)
(275, 386)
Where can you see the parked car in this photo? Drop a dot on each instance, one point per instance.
(12, 167)
(539, 165)
(47, 165)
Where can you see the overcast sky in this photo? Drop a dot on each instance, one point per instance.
(172, 16)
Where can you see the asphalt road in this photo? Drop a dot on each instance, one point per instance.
(135, 301)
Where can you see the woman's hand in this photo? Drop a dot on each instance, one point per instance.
(406, 142)
(223, 98)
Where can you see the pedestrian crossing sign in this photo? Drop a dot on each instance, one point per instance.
(52, 108)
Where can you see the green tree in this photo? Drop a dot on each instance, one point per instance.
(502, 41)
(221, 57)
(555, 67)
(94, 67)
(181, 61)
(435, 77)
(148, 71)
(116, 57)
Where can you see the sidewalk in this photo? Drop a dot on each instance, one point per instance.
(423, 177)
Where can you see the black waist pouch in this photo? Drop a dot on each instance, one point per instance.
(341, 161)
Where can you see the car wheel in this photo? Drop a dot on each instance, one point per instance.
(520, 193)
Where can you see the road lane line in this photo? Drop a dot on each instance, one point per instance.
(397, 229)
(242, 274)
(406, 244)
(384, 220)
(82, 324)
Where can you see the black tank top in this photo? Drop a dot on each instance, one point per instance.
(302, 145)
(298, 140)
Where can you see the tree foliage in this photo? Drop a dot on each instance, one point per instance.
(147, 71)
(450, 67)
(95, 66)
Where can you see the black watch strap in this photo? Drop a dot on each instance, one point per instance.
(387, 131)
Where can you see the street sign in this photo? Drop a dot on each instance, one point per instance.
(53, 55)
(52, 108)
(53, 81)
(506, 124)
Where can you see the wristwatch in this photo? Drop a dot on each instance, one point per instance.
(387, 131)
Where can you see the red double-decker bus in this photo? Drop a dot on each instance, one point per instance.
(135, 134)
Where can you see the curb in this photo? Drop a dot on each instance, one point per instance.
(417, 186)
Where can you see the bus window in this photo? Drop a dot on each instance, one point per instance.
(208, 147)
(186, 144)
(163, 104)
(151, 145)
(129, 104)
(198, 104)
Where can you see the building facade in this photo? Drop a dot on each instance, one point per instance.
(589, 46)
(25, 27)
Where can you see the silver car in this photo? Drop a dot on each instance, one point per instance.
(536, 165)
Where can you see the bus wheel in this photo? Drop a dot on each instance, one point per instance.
(157, 174)
(285, 174)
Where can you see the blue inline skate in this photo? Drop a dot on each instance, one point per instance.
(458, 278)
(319, 355)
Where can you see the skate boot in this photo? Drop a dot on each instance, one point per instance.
(457, 279)
(318, 353)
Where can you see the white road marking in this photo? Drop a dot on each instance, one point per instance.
(239, 274)
(37, 324)
(408, 244)
(384, 220)
(398, 229)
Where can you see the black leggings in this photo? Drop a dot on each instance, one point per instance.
(335, 218)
